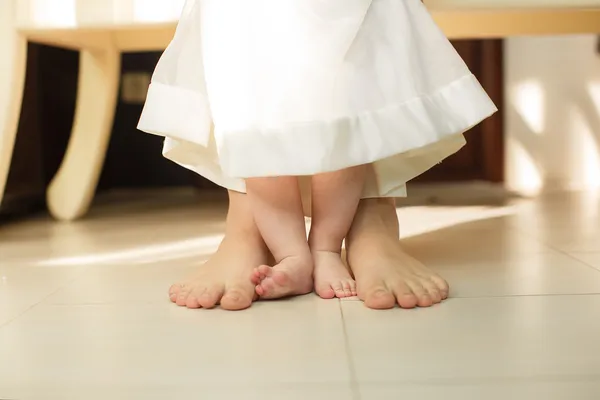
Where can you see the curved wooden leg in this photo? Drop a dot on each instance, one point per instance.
(72, 189)
(13, 64)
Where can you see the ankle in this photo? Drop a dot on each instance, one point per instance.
(304, 260)
(375, 219)
(246, 234)
(324, 243)
(317, 252)
(334, 248)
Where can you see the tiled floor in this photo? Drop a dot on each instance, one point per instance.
(83, 312)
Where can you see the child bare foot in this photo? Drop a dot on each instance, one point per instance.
(332, 278)
(291, 277)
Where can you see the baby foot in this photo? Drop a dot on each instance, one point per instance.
(332, 278)
(291, 277)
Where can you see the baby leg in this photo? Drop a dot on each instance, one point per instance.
(335, 198)
(277, 209)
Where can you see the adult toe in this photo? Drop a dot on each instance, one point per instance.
(237, 298)
(423, 298)
(211, 297)
(377, 296)
(404, 295)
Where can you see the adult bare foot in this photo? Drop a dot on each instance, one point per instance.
(332, 278)
(291, 277)
(225, 278)
(384, 273)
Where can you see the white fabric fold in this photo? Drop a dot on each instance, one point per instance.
(253, 88)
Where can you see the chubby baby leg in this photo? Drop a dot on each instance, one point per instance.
(335, 198)
(277, 208)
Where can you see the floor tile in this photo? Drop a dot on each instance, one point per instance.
(568, 222)
(84, 312)
(164, 390)
(511, 337)
(23, 287)
(465, 244)
(121, 284)
(132, 346)
(591, 259)
(528, 274)
(570, 240)
(584, 388)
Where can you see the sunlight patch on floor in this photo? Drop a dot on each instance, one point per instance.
(425, 219)
(198, 247)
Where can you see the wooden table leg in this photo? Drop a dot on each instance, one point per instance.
(72, 189)
(13, 64)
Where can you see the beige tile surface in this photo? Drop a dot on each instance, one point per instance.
(131, 345)
(501, 389)
(524, 337)
(145, 284)
(22, 288)
(590, 259)
(568, 222)
(525, 275)
(84, 313)
(165, 390)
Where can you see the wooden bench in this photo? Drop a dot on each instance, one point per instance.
(102, 29)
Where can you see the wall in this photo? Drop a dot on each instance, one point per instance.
(552, 113)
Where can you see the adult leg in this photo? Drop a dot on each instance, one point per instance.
(384, 273)
(225, 278)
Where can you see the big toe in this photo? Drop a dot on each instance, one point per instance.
(174, 291)
(325, 291)
(378, 297)
(264, 271)
(237, 298)
(349, 288)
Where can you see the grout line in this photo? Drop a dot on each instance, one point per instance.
(42, 300)
(484, 380)
(573, 257)
(10, 320)
(502, 296)
(527, 295)
(554, 248)
(581, 252)
(354, 387)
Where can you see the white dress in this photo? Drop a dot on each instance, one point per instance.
(251, 88)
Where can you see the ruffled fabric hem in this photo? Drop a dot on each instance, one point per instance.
(402, 141)
(324, 146)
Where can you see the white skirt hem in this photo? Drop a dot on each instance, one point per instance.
(176, 112)
(324, 146)
(425, 130)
